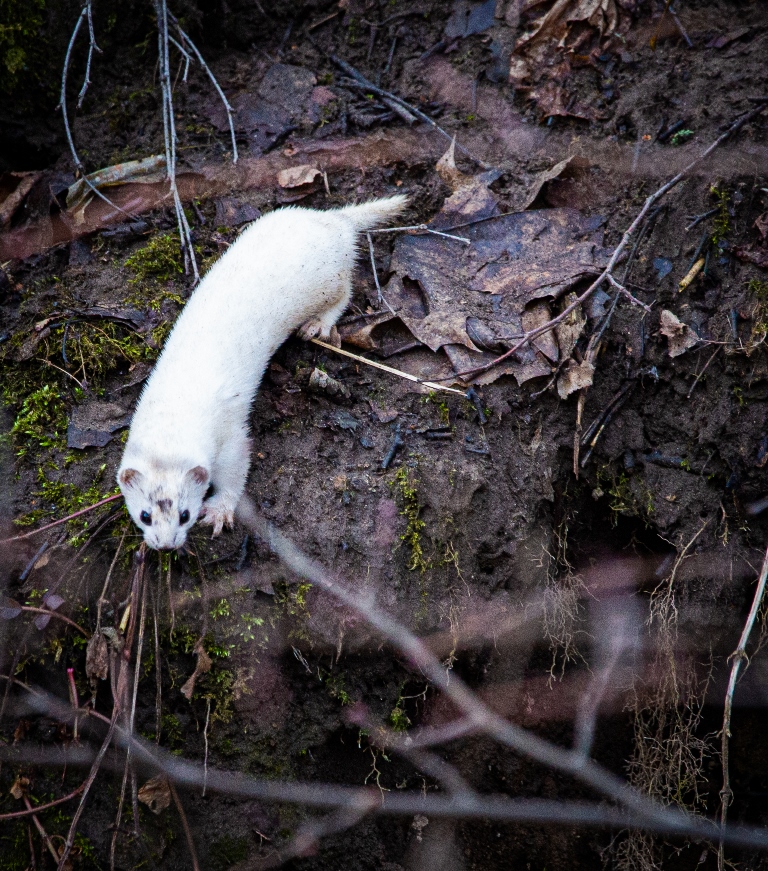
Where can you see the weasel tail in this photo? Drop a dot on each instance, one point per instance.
(368, 216)
(188, 450)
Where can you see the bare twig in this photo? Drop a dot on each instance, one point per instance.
(633, 299)
(86, 788)
(84, 13)
(509, 734)
(39, 808)
(397, 104)
(699, 376)
(91, 48)
(424, 229)
(169, 131)
(327, 795)
(230, 111)
(64, 519)
(738, 657)
(185, 825)
(376, 274)
(653, 198)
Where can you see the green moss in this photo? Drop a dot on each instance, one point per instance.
(41, 421)
(160, 258)
(337, 688)
(629, 497)
(20, 25)
(409, 498)
(759, 332)
(681, 136)
(722, 221)
(227, 851)
(60, 498)
(440, 404)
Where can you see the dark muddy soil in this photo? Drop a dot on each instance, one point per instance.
(477, 533)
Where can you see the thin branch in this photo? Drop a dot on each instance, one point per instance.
(169, 132)
(63, 519)
(633, 299)
(91, 48)
(185, 825)
(63, 107)
(399, 105)
(56, 614)
(425, 229)
(86, 788)
(513, 736)
(654, 197)
(36, 809)
(738, 657)
(332, 795)
(204, 65)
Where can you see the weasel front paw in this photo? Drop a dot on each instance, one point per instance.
(218, 516)
(316, 329)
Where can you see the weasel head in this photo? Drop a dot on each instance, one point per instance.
(164, 503)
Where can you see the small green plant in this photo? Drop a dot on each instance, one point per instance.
(681, 136)
(221, 609)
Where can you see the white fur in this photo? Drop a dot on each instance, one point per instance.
(290, 269)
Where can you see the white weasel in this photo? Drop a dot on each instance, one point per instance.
(290, 269)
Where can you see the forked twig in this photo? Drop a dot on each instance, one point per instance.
(169, 133)
(738, 657)
(84, 13)
(91, 48)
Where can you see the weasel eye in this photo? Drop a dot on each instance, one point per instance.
(184, 517)
(146, 517)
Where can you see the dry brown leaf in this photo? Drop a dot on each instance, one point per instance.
(297, 176)
(536, 316)
(156, 794)
(541, 179)
(203, 666)
(19, 787)
(679, 335)
(446, 293)
(574, 377)
(97, 658)
(569, 331)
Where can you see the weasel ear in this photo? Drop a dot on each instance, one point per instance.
(199, 475)
(129, 478)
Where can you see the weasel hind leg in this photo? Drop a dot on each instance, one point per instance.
(323, 326)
